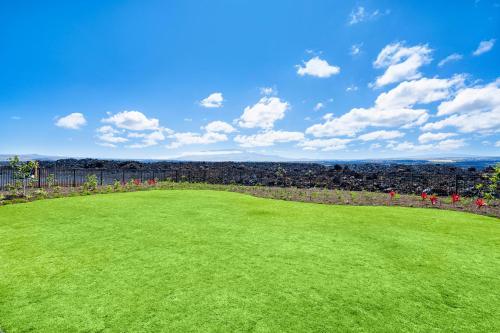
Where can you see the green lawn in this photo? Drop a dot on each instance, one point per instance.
(206, 261)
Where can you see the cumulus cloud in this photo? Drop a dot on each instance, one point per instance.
(445, 145)
(450, 58)
(148, 139)
(72, 121)
(219, 127)
(358, 119)
(189, 138)
(422, 91)
(317, 67)
(132, 120)
(214, 100)
(324, 144)
(381, 135)
(473, 109)
(392, 108)
(268, 138)
(401, 63)
(484, 46)
(108, 136)
(428, 136)
(263, 114)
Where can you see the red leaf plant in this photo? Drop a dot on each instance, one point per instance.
(433, 199)
(137, 182)
(480, 203)
(151, 181)
(423, 195)
(392, 194)
(455, 198)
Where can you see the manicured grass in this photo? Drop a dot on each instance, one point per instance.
(206, 261)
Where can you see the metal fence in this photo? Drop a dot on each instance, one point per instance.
(443, 183)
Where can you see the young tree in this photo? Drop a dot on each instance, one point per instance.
(23, 171)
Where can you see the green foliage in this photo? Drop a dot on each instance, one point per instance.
(40, 193)
(50, 180)
(90, 184)
(23, 172)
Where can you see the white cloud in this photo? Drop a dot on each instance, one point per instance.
(497, 144)
(352, 87)
(268, 138)
(148, 139)
(392, 108)
(445, 145)
(484, 46)
(210, 153)
(219, 127)
(381, 135)
(133, 120)
(450, 58)
(401, 63)
(107, 136)
(325, 144)
(264, 113)
(359, 118)
(422, 91)
(359, 14)
(356, 49)
(474, 109)
(318, 106)
(215, 100)
(189, 138)
(375, 146)
(72, 121)
(317, 67)
(268, 91)
(428, 137)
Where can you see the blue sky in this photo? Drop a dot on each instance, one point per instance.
(300, 79)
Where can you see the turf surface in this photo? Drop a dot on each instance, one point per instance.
(205, 261)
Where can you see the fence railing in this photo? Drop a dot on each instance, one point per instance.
(403, 182)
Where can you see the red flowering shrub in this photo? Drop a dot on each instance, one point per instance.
(480, 203)
(423, 195)
(137, 182)
(455, 198)
(392, 194)
(433, 199)
(151, 182)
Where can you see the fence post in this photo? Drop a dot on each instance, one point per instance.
(39, 173)
(74, 177)
(101, 178)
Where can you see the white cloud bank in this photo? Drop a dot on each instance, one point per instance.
(473, 109)
(392, 109)
(72, 121)
(268, 138)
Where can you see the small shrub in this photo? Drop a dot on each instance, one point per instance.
(90, 184)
